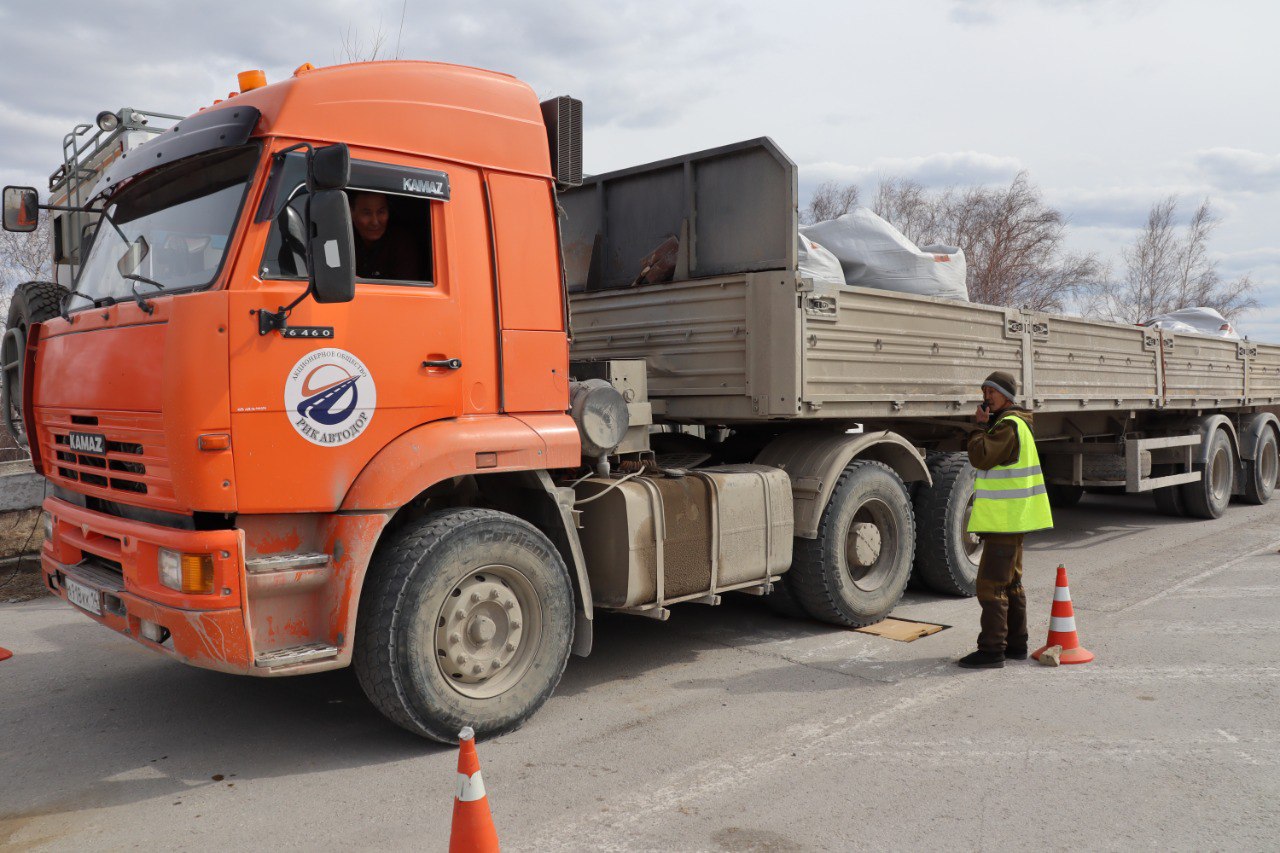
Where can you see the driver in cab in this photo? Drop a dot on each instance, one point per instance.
(382, 249)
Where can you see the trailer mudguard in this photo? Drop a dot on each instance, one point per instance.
(1206, 426)
(1251, 433)
(814, 458)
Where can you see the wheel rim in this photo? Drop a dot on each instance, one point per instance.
(1220, 476)
(1268, 467)
(970, 543)
(487, 631)
(871, 546)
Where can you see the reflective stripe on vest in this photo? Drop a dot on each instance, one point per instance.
(1012, 498)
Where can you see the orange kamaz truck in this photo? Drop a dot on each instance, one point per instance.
(305, 399)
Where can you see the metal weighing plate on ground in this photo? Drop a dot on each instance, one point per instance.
(84, 597)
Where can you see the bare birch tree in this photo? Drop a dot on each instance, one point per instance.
(1168, 268)
(830, 200)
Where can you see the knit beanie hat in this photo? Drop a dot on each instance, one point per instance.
(1003, 383)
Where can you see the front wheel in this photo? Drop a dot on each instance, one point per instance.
(857, 569)
(466, 619)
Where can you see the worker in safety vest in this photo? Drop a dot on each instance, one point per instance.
(1009, 501)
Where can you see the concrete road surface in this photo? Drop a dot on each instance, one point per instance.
(724, 729)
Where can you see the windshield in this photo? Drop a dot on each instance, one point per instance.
(174, 225)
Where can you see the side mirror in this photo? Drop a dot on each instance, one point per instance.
(21, 209)
(330, 168)
(333, 265)
(133, 256)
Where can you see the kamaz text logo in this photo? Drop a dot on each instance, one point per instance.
(423, 187)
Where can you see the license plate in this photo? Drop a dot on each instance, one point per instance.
(84, 597)
(87, 442)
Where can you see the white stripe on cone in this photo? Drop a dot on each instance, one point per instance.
(470, 788)
(1062, 624)
(1061, 593)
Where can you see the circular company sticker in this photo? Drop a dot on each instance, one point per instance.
(329, 397)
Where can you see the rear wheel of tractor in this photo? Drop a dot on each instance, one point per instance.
(32, 302)
(1260, 473)
(1209, 497)
(1169, 498)
(856, 570)
(1061, 495)
(947, 554)
(466, 619)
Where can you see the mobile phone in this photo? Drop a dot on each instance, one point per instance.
(984, 406)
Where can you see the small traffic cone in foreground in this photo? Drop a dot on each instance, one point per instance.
(473, 830)
(1062, 625)
(5, 654)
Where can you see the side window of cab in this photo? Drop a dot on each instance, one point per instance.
(390, 218)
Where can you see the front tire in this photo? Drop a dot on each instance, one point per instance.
(857, 569)
(466, 619)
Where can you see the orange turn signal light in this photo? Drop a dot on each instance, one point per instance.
(250, 80)
(197, 573)
(214, 441)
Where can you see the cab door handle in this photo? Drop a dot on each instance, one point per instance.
(449, 363)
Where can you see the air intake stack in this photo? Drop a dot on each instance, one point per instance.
(563, 118)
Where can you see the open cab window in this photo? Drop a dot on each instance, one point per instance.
(390, 216)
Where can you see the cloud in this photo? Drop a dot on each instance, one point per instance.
(933, 170)
(973, 13)
(1239, 170)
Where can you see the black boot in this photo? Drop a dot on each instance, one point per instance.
(982, 660)
(1015, 653)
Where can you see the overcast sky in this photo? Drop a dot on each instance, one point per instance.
(1109, 106)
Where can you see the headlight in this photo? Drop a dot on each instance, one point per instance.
(108, 121)
(191, 573)
(48, 528)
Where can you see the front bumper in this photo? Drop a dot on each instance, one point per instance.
(118, 559)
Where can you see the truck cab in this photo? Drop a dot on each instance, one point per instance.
(224, 451)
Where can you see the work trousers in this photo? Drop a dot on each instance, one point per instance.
(1004, 603)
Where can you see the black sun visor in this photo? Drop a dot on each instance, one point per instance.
(206, 131)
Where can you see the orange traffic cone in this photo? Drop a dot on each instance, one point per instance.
(1062, 625)
(5, 654)
(473, 830)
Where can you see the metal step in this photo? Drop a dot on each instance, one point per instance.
(296, 654)
(285, 562)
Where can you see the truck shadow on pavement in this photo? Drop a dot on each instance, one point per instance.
(130, 727)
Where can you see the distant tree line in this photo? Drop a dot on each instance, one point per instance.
(1014, 248)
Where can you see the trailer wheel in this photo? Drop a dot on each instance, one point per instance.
(856, 570)
(466, 619)
(1209, 497)
(1260, 473)
(1062, 495)
(32, 302)
(947, 554)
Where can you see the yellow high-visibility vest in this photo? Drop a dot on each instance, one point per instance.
(1012, 498)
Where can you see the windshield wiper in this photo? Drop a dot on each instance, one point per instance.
(143, 302)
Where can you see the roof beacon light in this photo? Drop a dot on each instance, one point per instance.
(108, 121)
(250, 80)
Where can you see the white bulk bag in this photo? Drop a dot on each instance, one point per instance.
(817, 263)
(1202, 321)
(873, 253)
